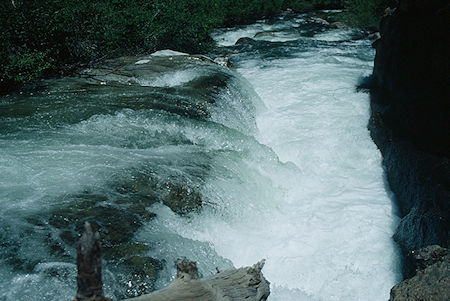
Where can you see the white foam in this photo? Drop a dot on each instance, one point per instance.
(168, 52)
(141, 62)
(334, 35)
(274, 33)
(169, 79)
(323, 219)
(336, 228)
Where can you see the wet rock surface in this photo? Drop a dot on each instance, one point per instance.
(409, 121)
(423, 258)
(117, 218)
(175, 86)
(431, 278)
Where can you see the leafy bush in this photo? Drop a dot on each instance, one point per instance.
(366, 13)
(44, 37)
(244, 11)
(305, 5)
(28, 65)
(37, 37)
(185, 25)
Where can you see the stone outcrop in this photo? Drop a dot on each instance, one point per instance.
(409, 122)
(431, 278)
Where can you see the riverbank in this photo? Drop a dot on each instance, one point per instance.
(54, 38)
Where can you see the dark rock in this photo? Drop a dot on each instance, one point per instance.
(264, 34)
(186, 268)
(143, 272)
(183, 199)
(409, 121)
(338, 25)
(375, 43)
(374, 36)
(432, 280)
(145, 189)
(142, 76)
(358, 35)
(420, 259)
(127, 249)
(320, 21)
(245, 41)
(223, 61)
(144, 265)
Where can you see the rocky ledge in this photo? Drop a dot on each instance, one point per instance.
(431, 276)
(409, 121)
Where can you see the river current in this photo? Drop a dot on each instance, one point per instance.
(173, 156)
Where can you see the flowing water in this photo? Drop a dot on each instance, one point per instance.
(173, 156)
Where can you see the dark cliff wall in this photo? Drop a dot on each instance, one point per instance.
(410, 120)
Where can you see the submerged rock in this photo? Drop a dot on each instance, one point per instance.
(338, 25)
(374, 36)
(223, 61)
(168, 52)
(245, 41)
(264, 34)
(431, 281)
(142, 274)
(319, 20)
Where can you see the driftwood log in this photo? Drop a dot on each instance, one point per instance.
(247, 283)
(235, 284)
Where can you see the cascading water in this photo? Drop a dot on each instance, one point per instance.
(288, 173)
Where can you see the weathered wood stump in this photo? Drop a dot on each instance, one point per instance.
(89, 263)
(247, 283)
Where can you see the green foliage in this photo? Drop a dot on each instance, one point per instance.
(27, 66)
(42, 37)
(185, 25)
(305, 5)
(243, 11)
(366, 13)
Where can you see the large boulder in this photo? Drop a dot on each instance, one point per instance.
(432, 279)
(409, 122)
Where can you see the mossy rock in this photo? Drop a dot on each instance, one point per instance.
(127, 249)
(182, 200)
(142, 274)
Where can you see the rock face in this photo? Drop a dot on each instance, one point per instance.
(409, 122)
(432, 279)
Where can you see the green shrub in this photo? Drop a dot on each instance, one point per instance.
(41, 37)
(28, 65)
(366, 13)
(305, 5)
(37, 37)
(185, 25)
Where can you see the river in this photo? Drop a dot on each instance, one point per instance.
(173, 156)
